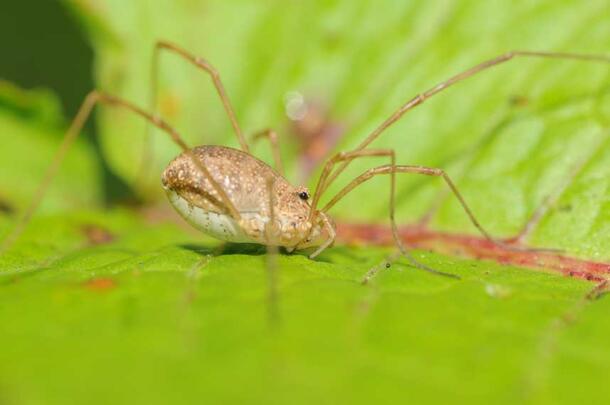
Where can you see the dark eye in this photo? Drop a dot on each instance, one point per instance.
(304, 195)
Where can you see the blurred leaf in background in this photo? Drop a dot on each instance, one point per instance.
(31, 127)
(45, 52)
(512, 137)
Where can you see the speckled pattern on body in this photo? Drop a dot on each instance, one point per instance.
(244, 179)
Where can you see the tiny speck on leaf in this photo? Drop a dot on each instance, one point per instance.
(96, 235)
(498, 291)
(100, 284)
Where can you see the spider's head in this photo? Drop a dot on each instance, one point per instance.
(303, 194)
(292, 213)
(320, 233)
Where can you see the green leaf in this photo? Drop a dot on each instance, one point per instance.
(155, 316)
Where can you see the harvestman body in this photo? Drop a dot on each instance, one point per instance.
(233, 196)
(244, 179)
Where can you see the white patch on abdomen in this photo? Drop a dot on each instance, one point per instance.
(219, 226)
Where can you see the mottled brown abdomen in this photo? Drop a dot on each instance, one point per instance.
(240, 175)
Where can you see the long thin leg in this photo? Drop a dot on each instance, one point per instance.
(201, 63)
(392, 170)
(272, 252)
(420, 98)
(75, 128)
(208, 68)
(271, 135)
(340, 157)
(374, 270)
(427, 171)
(322, 185)
(332, 234)
(348, 156)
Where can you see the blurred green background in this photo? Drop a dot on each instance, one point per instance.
(47, 49)
(104, 302)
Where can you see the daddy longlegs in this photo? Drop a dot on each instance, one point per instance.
(233, 196)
